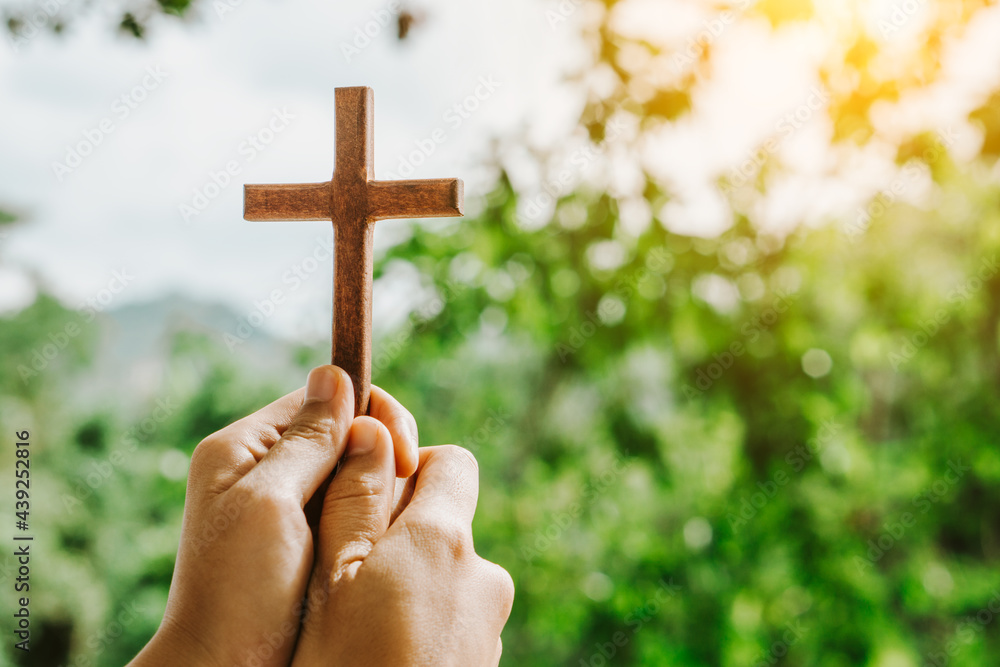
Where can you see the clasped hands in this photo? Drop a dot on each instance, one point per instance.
(392, 577)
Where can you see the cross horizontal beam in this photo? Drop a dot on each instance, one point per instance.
(422, 198)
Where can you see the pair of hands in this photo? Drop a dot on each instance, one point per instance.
(392, 578)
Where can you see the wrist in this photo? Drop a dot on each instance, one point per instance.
(173, 645)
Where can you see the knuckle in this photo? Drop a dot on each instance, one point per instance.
(400, 422)
(261, 494)
(505, 584)
(460, 459)
(362, 487)
(502, 584)
(268, 506)
(252, 496)
(445, 536)
(308, 428)
(205, 454)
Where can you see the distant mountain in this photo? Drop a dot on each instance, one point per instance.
(137, 345)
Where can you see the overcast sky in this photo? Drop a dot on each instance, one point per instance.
(266, 70)
(253, 87)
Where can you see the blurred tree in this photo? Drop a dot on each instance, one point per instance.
(752, 449)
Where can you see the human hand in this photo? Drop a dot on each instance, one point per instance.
(402, 585)
(246, 547)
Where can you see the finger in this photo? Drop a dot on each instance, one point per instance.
(358, 503)
(446, 488)
(231, 452)
(402, 427)
(496, 662)
(401, 496)
(265, 426)
(309, 448)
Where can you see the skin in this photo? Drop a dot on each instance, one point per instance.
(394, 565)
(397, 580)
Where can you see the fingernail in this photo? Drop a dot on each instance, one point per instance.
(363, 437)
(322, 384)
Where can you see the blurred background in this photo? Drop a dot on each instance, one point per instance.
(720, 324)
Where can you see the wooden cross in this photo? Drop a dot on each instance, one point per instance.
(353, 200)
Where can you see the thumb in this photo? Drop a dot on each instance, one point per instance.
(358, 503)
(309, 448)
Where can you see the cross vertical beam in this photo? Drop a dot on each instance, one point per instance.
(353, 239)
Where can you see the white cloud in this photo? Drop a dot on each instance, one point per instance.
(224, 78)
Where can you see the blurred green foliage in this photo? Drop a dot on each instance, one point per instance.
(624, 495)
(735, 451)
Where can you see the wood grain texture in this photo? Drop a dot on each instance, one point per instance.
(352, 269)
(430, 198)
(355, 160)
(353, 201)
(297, 201)
(352, 307)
